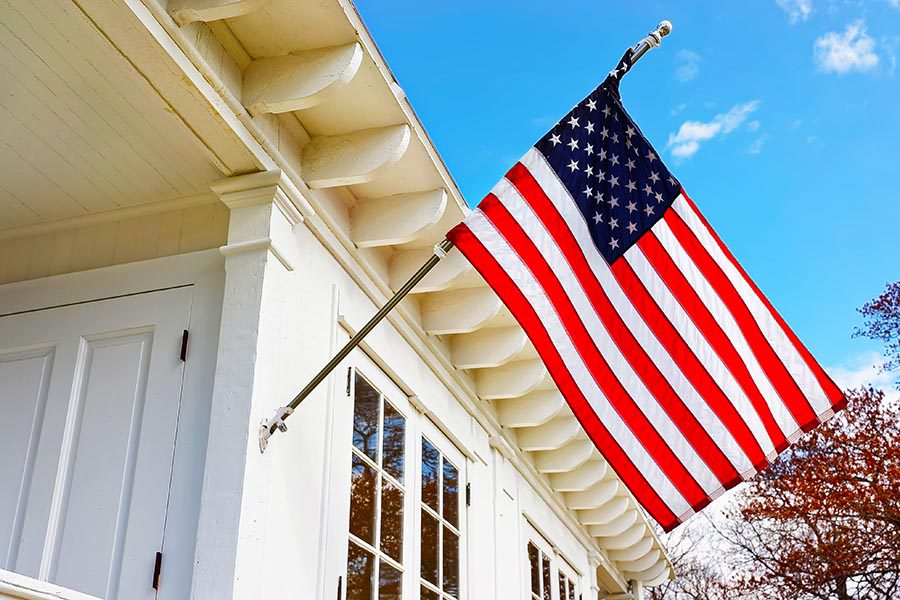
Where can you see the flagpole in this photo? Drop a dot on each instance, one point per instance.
(276, 423)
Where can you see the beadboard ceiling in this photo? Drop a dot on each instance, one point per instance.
(81, 130)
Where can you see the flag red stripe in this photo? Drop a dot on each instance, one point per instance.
(691, 365)
(784, 384)
(642, 428)
(510, 294)
(704, 321)
(834, 393)
(642, 364)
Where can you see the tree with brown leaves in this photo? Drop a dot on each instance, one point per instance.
(823, 521)
(881, 321)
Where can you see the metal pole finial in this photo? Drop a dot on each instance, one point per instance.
(653, 39)
(664, 28)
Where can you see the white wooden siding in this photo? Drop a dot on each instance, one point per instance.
(113, 242)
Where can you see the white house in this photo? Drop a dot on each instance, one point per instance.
(200, 201)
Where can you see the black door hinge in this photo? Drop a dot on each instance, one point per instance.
(184, 339)
(349, 376)
(468, 494)
(157, 569)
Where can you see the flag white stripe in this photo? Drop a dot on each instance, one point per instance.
(700, 347)
(624, 372)
(726, 321)
(771, 329)
(685, 326)
(525, 281)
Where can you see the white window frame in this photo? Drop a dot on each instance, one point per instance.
(391, 393)
(562, 566)
(418, 426)
(558, 564)
(428, 430)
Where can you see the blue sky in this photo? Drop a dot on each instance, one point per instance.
(781, 118)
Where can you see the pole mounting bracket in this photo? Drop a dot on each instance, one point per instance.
(268, 426)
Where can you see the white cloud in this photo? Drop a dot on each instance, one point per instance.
(841, 53)
(692, 134)
(864, 370)
(753, 126)
(688, 65)
(798, 10)
(756, 146)
(890, 49)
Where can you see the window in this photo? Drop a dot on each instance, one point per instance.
(377, 493)
(566, 587)
(551, 576)
(541, 586)
(440, 525)
(407, 497)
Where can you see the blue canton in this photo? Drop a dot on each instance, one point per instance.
(610, 169)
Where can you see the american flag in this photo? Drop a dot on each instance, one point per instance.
(680, 371)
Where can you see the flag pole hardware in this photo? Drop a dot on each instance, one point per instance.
(277, 423)
(653, 39)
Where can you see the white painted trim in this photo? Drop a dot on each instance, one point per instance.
(106, 216)
(255, 245)
(189, 459)
(188, 11)
(107, 282)
(20, 586)
(328, 457)
(261, 188)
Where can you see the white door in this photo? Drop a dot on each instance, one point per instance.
(89, 398)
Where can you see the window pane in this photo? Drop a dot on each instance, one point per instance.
(394, 441)
(562, 587)
(365, 418)
(362, 500)
(451, 494)
(429, 547)
(391, 520)
(571, 590)
(359, 573)
(428, 594)
(430, 460)
(535, 560)
(545, 562)
(389, 582)
(451, 563)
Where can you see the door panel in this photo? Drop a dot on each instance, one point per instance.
(93, 468)
(105, 435)
(24, 378)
